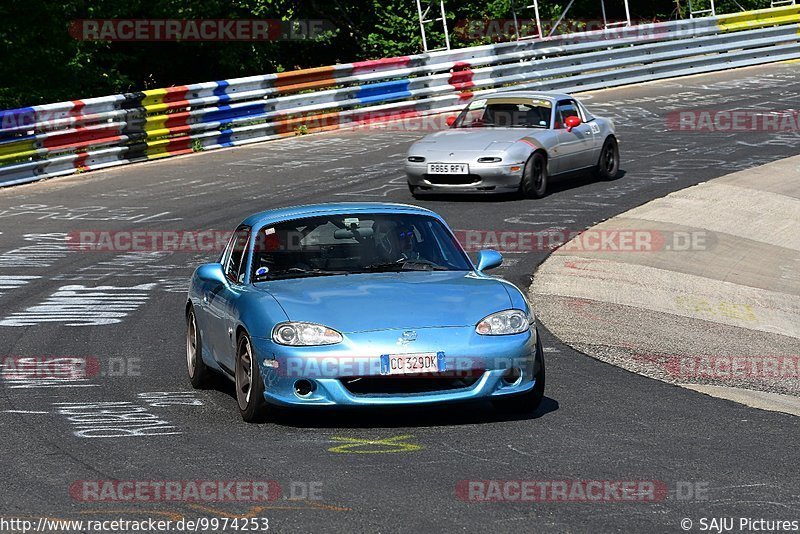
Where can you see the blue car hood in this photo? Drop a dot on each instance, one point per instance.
(377, 301)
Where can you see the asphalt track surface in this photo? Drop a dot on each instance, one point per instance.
(375, 470)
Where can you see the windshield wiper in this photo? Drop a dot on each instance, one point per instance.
(406, 265)
(298, 272)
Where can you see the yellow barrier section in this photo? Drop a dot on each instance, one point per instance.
(18, 150)
(154, 99)
(749, 20)
(155, 126)
(156, 150)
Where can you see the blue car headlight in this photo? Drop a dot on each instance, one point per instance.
(504, 323)
(304, 334)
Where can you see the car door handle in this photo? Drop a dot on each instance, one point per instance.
(205, 299)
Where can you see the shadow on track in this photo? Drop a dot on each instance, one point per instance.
(464, 413)
(473, 413)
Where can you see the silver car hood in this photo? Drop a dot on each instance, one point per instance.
(473, 139)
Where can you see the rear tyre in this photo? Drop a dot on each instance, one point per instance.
(534, 178)
(608, 163)
(199, 373)
(413, 190)
(249, 384)
(529, 401)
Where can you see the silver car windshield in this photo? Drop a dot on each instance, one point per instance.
(356, 243)
(506, 113)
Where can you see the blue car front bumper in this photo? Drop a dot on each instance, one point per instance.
(343, 374)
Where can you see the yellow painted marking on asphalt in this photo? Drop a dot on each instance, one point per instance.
(331, 507)
(374, 446)
(731, 310)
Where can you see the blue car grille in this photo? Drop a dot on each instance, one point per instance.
(370, 385)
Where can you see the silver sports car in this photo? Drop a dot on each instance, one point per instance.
(513, 141)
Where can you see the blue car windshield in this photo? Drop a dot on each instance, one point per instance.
(355, 243)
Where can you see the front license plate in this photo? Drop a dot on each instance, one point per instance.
(448, 168)
(405, 364)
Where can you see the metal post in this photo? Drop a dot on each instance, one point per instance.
(444, 24)
(627, 13)
(564, 14)
(422, 26)
(538, 20)
(423, 21)
(603, 9)
(626, 22)
(535, 6)
(712, 10)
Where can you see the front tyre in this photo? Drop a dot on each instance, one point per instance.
(249, 384)
(608, 163)
(534, 178)
(199, 373)
(529, 401)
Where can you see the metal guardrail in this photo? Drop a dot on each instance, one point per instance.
(81, 135)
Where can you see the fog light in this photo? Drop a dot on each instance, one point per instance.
(512, 376)
(304, 388)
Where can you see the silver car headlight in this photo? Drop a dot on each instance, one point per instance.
(304, 334)
(504, 323)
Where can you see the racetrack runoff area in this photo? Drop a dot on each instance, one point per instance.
(709, 298)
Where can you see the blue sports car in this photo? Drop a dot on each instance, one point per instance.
(359, 304)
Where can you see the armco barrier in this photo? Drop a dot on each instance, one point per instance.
(68, 137)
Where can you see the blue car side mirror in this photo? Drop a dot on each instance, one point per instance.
(211, 272)
(489, 259)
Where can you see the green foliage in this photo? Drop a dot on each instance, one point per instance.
(40, 62)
